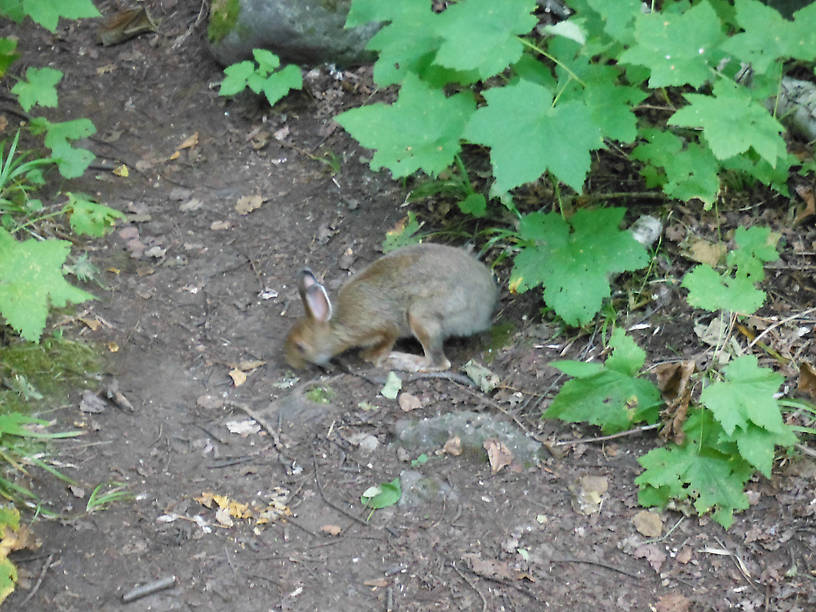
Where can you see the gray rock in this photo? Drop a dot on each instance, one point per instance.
(299, 31)
(473, 429)
(418, 489)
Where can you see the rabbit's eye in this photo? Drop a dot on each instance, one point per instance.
(300, 347)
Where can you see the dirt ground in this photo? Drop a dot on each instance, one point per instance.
(194, 290)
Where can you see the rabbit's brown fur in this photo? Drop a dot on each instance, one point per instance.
(430, 291)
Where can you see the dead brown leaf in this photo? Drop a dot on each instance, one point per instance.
(806, 193)
(380, 583)
(498, 454)
(408, 402)
(706, 252)
(488, 568)
(673, 602)
(649, 524)
(684, 555)
(807, 379)
(673, 382)
(653, 553)
(189, 142)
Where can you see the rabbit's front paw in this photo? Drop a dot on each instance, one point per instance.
(408, 362)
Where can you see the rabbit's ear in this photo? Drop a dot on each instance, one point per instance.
(315, 299)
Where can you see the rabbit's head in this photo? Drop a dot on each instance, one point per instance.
(309, 340)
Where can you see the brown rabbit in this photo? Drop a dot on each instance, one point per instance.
(430, 291)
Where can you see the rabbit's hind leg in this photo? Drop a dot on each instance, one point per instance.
(428, 330)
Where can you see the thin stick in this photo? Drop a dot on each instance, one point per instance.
(800, 315)
(471, 585)
(40, 578)
(620, 434)
(149, 589)
(326, 500)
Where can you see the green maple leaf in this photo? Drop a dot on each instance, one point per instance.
(90, 218)
(31, 281)
(40, 88)
(714, 479)
(756, 246)
(692, 173)
(608, 395)
(541, 136)
(677, 48)
(733, 122)
(421, 130)
(480, 35)
(734, 290)
(574, 266)
(745, 396)
(237, 78)
(407, 44)
(711, 291)
(47, 12)
(769, 37)
(71, 161)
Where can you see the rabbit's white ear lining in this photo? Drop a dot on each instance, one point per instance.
(317, 303)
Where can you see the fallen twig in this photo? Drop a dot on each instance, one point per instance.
(149, 589)
(40, 579)
(327, 501)
(620, 434)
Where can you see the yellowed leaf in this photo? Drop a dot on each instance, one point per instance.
(238, 377)
(246, 204)
(453, 446)
(92, 324)
(121, 170)
(105, 69)
(332, 530)
(588, 493)
(247, 365)
(113, 347)
(189, 142)
(218, 226)
(174, 156)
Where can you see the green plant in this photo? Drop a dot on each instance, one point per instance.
(382, 496)
(737, 424)
(106, 493)
(478, 73)
(261, 76)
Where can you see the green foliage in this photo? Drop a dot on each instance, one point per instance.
(8, 54)
(90, 218)
(71, 161)
(421, 130)
(382, 496)
(261, 76)
(725, 443)
(734, 290)
(40, 88)
(105, 494)
(47, 13)
(610, 395)
(31, 281)
(9, 524)
(573, 259)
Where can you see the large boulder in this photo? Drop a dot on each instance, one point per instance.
(299, 31)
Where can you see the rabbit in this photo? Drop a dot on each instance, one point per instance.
(430, 291)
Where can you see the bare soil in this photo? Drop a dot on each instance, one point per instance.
(194, 290)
